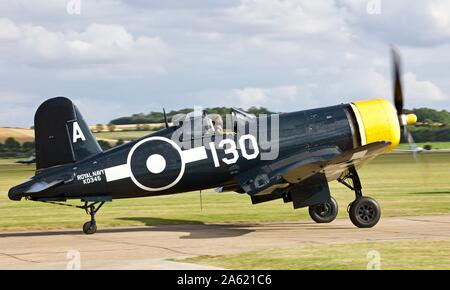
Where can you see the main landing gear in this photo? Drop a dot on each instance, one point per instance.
(90, 227)
(364, 211)
(324, 212)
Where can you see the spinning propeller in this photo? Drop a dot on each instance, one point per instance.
(404, 119)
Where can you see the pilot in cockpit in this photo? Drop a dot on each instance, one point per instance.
(217, 123)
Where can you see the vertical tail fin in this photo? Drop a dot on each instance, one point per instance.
(62, 136)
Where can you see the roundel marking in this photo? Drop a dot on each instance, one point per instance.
(155, 163)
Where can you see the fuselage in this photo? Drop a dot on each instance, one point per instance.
(158, 164)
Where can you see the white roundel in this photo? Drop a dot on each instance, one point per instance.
(156, 163)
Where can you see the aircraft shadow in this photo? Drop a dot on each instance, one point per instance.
(195, 229)
(430, 192)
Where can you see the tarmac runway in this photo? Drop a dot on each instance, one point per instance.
(148, 247)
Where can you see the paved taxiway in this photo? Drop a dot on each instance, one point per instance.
(148, 247)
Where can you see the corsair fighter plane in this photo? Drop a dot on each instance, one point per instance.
(314, 147)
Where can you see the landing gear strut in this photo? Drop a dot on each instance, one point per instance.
(364, 211)
(90, 227)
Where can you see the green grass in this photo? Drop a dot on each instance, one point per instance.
(402, 187)
(124, 135)
(435, 145)
(407, 255)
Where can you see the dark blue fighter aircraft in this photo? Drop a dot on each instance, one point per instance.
(313, 147)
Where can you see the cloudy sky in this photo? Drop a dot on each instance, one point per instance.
(117, 57)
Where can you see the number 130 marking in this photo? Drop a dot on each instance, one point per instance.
(232, 150)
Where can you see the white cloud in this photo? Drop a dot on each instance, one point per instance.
(8, 30)
(439, 10)
(404, 22)
(97, 111)
(98, 43)
(282, 98)
(290, 17)
(140, 55)
(17, 109)
(421, 91)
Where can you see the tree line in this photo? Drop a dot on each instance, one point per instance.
(158, 117)
(13, 148)
(432, 125)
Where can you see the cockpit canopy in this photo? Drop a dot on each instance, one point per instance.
(199, 122)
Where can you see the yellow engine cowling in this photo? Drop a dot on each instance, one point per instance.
(378, 121)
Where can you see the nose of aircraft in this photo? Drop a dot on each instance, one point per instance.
(378, 121)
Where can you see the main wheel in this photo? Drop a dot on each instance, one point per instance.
(324, 212)
(364, 212)
(89, 228)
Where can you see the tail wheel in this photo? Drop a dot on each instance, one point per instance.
(324, 212)
(89, 228)
(365, 212)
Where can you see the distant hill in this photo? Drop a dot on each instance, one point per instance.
(19, 134)
(125, 132)
(158, 117)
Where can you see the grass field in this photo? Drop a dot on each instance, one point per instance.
(401, 185)
(399, 255)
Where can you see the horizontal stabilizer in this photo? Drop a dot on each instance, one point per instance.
(37, 187)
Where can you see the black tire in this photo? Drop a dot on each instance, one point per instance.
(324, 212)
(89, 228)
(365, 212)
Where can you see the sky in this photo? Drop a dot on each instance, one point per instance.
(114, 58)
